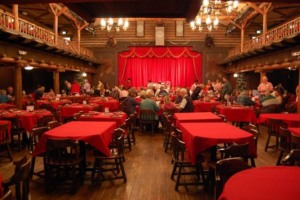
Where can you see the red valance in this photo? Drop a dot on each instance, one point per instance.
(178, 65)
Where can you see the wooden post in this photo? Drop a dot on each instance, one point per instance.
(242, 38)
(55, 27)
(265, 26)
(56, 81)
(298, 108)
(16, 16)
(18, 86)
(78, 39)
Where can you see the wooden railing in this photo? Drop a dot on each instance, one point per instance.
(28, 29)
(277, 34)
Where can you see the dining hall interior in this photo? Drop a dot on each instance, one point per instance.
(149, 99)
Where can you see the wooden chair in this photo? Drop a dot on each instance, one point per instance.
(284, 143)
(133, 127)
(223, 117)
(127, 136)
(147, 117)
(5, 140)
(168, 129)
(20, 179)
(295, 141)
(35, 137)
(292, 159)
(112, 164)
(17, 134)
(226, 168)
(42, 122)
(63, 156)
(53, 124)
(47, 107)
(273, 131)
(253, 129)
(76, 116)
(182, 163)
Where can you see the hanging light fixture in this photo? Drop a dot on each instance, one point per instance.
(209, 13)
(28, 67)
(110, 24)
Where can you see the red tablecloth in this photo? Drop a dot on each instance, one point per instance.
(203, 106)
(196, 117)
(112, 104)
(55, 104)
(265, 183)
(6, 122)
(97, 134)
(295, 131)
(27, 119)
(76, 99)
(238, 113)
(119, 118)
(292, 119)
(6, 106)
(201, 136)
(69, 110)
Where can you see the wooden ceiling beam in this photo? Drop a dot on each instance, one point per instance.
(255, 7)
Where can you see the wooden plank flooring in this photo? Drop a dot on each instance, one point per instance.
(148, 171)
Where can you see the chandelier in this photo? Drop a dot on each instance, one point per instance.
(209, 13)
(112, 25)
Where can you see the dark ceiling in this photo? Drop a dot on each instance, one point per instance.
(90, 9)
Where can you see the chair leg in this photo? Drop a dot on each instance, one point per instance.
(267, 143)
(178, 177)
(279, 158)
(9, 152)
(32, 167)
(252, 162)
(174, 170)
(122, 170)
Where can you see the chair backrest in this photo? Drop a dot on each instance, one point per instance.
(20, 178)
(274, 126)
(99, 108)
(147, 115)
(61, 151)
(292, 159)
(4, 137)
(295, 141)
(36, 135)
(178, 148)
(133, 118)
(117, 141)
(223, 117)
(47, 107)
(237, 150)
(226, 168)
(43, 121)
(285, 139)
(176, 131)
(252, 128)
(170, 111)
(53, 124)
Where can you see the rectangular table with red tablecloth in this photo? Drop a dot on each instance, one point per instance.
(291, 119)
(118, 117)
(196, 117)
(237, 113)
(202, 136)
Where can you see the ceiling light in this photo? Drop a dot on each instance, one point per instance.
(235, 75)
(258, 31)
(28, 67)
(110, 24)
(64, 32)
(84, 74)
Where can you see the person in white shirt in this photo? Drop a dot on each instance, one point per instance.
(86, 87)
(195, 84)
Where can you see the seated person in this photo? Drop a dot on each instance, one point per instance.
(244, 99)
(168, 105)
(3, 97)
(178, 98)
(186, 104)
(129, 104)
(268, 99)
(149, 104)
(162, 92)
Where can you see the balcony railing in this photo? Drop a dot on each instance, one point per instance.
(28, 29)
(277, 34)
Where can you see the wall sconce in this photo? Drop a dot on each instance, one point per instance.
(28, 67)
(84, 74)
(235, 75)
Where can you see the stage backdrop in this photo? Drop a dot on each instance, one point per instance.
(178, 65)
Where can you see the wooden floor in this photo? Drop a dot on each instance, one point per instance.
(148, 171)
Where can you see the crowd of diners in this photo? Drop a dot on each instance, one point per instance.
(177, 98)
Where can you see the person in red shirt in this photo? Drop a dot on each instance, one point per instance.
(75, 88)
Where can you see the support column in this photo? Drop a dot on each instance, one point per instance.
(16, 16)
(56, 82)
(78, 39)
(55, 27)
(242, 38)
(298, 108)
(18, 86)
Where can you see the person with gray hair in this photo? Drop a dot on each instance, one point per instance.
(244, 99)
(186, 104)
(149, 104)
(129, 104)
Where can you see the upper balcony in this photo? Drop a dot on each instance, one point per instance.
(43, 37)
(284, 35)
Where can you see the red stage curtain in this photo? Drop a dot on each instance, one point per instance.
(178, 65)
